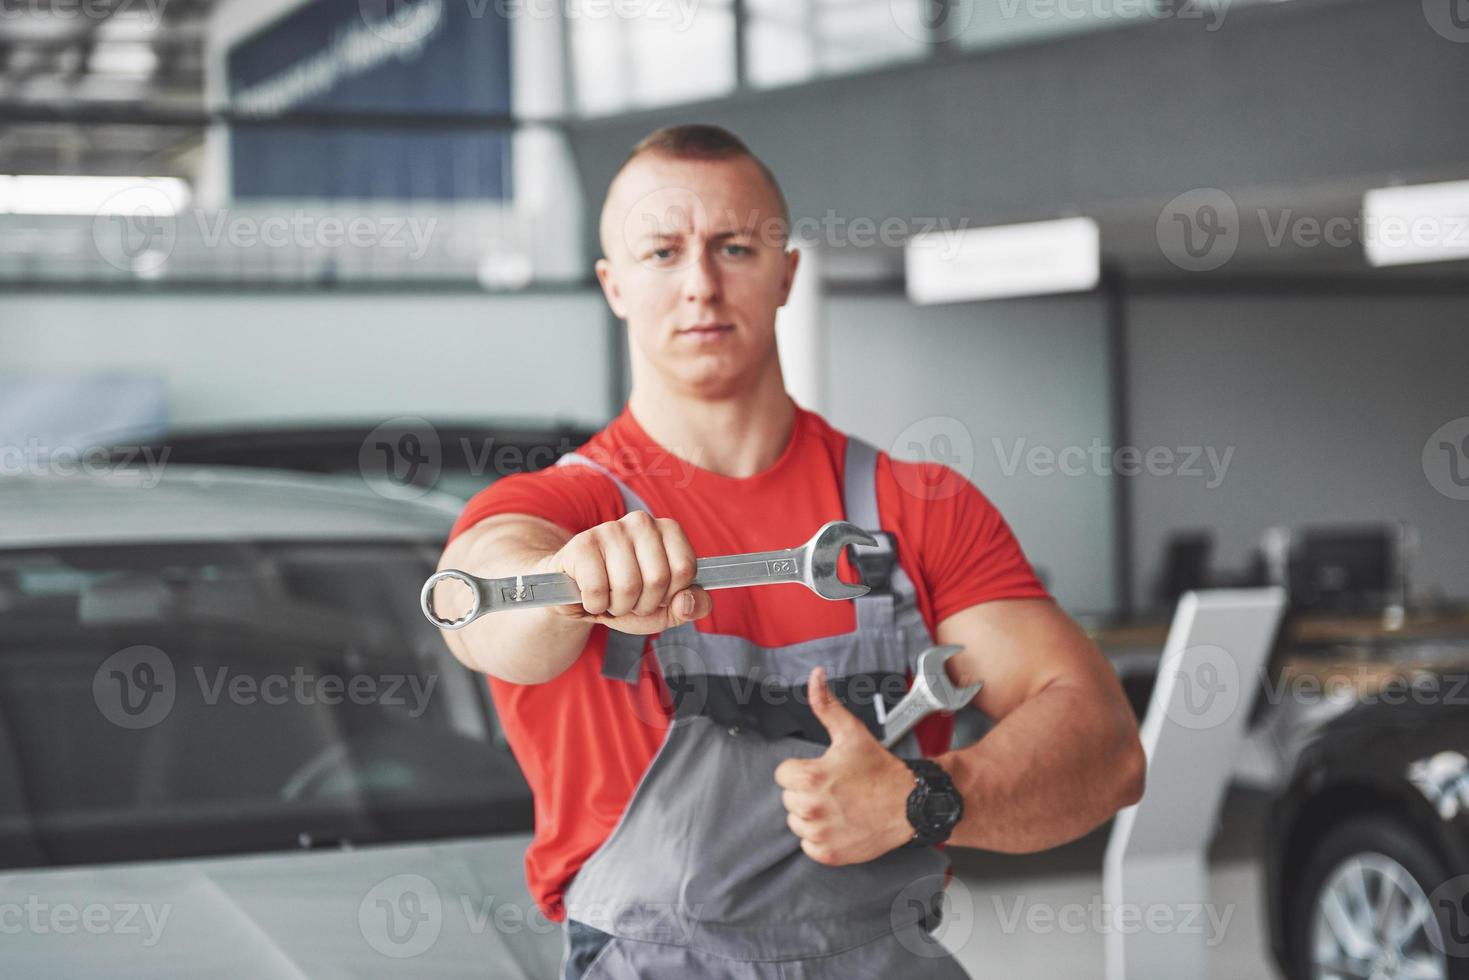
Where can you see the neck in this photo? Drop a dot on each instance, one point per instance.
(735, 436)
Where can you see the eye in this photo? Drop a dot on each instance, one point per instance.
(740, 249)
(666, 252)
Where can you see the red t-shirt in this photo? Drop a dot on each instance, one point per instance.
(584, 741)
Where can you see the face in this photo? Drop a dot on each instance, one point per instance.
(693, 244)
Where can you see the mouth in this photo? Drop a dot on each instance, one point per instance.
(707, 329)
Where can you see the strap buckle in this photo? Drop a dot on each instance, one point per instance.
(875, 562)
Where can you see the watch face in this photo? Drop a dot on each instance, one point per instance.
(941, 808)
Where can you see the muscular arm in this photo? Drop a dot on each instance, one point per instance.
(529, 646)
(1064, 755)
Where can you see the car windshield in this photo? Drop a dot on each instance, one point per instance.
(163, 701)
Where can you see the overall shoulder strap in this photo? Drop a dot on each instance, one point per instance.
(624, 654)
(879, 565)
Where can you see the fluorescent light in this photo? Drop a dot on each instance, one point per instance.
(1006, 260)
(1417, 223)
(133, 59)
(160, 196)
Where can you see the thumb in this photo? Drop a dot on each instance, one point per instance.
(703, 605)
(840, 724)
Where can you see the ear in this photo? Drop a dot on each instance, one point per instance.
(610, 288)
(793, 259)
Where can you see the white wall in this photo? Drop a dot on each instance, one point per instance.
(264, 357)
(1328, 401)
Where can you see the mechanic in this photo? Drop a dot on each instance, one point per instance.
(706, 803)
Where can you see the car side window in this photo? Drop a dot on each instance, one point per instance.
(184, 700)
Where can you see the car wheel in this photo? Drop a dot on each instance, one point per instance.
(1363, 910)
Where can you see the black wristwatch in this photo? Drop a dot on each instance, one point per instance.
(935, 806)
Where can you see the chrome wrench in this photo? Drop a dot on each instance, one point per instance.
(931, 691)
(813, 564)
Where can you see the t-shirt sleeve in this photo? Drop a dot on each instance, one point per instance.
(967, 552)
(575, 497)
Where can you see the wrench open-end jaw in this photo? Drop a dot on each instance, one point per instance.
(813, 564)
(931, 691)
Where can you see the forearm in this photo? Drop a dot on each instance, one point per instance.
(1055, 768)
(523, 646)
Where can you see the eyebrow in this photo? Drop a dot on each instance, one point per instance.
(663, 236)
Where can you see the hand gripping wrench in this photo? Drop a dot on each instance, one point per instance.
(813, 564)
(931, 691)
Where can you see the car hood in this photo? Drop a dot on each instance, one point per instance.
(453, 909)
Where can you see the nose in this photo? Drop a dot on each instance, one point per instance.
(701, 281)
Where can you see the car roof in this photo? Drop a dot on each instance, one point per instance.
(176, 503)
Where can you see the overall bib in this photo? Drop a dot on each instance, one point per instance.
(702, 876)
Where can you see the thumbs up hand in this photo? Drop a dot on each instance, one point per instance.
(851, 804)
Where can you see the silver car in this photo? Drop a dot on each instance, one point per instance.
(231, 746)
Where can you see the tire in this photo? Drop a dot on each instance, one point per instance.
(1367, 853)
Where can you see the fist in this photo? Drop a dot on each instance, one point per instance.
(634, 574)
(851, 804)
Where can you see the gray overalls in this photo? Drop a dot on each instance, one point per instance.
(702, 876)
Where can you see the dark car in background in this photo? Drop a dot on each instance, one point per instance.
(402, 457)
(1367, 847)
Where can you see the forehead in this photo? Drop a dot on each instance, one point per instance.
(659, 195)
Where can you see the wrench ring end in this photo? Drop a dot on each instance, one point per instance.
(426, 599)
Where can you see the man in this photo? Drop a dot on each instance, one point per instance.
(706, 804)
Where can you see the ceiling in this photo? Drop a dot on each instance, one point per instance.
(141, 55)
